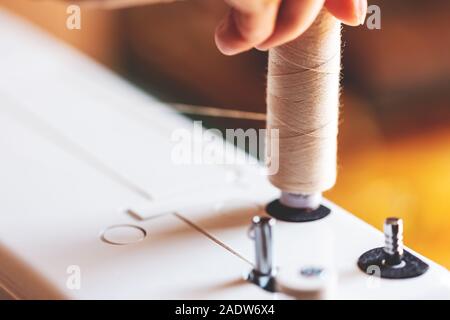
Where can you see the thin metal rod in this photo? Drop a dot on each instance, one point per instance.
(218, 112)
(262, 229)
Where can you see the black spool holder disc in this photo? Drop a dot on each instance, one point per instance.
(373, 262)
(284, 213)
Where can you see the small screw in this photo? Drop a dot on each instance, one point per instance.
(393, 237)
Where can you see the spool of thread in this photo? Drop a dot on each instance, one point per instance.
(303, 105)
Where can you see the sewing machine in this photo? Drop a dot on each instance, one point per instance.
(93, 207)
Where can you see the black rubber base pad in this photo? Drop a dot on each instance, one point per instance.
(263, 281)
(413, 267)
(284, 213)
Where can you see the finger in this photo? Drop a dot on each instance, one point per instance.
(248, 24)
(351, 12)
(116, 4)
(249, 6)
(294, 17)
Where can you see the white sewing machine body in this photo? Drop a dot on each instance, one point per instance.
(88, 188)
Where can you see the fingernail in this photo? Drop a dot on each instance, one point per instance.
(361, 7)
(223, 46)
(221, 27)
(226, 50)
(219, 38)
(261, 48)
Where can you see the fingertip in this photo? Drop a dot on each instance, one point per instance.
(240, 32)
(223, 46)
(349, 12)
(224, 36)
(362, 11)
(271, 43)
(294, 18)
(262, 48)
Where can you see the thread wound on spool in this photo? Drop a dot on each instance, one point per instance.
(303, 105)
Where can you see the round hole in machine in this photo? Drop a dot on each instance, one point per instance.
(123, 234)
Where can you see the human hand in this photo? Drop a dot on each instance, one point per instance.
(264, 24)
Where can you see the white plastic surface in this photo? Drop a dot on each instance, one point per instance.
(123, 234)
(292, 283)
(81, 149)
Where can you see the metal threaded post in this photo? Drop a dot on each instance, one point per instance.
(393, 247)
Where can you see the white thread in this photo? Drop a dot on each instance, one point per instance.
(303, 104)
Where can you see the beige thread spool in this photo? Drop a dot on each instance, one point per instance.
(303, 104)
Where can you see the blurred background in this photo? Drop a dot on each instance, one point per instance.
(394, 146)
